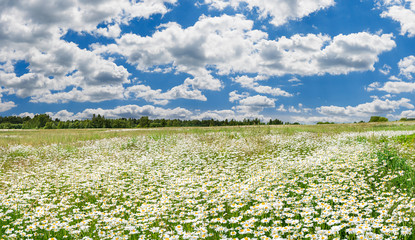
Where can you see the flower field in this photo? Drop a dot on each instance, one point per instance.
(212, 185)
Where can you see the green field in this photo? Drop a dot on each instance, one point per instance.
(342, 181)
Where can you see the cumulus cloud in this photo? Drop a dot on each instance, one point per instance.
(255, 104)
(135, 111)
(5, 106)
(281, 108)
(33, 31)
(295, 82)
(373, 86)
(394, 78)
(229, 114)
(32, 21)
(407, 69)
(398, 87)
(385, 70)
(407, 114)
(250, 105)
(62, 115)
(127, 111)
(218, 115)
(316, 119)
(228, 44)
(158, 97)
(299, 109)
(59, 65)
(280, 11)
(393, 87)
(251, 83)
(402, 11)
(407, 66)
(26, 114)
(234, 96)
(354, 52)
(90, 94)
(376, 107)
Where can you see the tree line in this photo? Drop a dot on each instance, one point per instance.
(97, 121)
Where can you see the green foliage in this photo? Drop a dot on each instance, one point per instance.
(391, 162)
(406, 139)
(378, 119)
(50, 125)
(8, 125)
(325, 123)
(144, 122)
(275, 122)
(98, 121)
(38, 121)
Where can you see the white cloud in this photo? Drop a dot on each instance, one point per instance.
(292, 109)
(26, 114)
(229, 114)
(134, 111)
(394, 78)
(5, 106)
(255, 104)
(229, 45)
(398, 87)
(373, 86)
(300, 109)
(407, 66)
(59, 65)
(280, 11)
(157, 97)
(316, 119)
(89, 94)
(127, 111)
(407, 69)
(387, 96)
(258, 100)
(376, 107)
(234, 96)
(402, 11)
(294, 80)
(385, 70)
(33, 31)
(407, 114)
(218, 115)
(281, 108)
(251, 83)
(32, 21)
(354, 52)
(62, 115)
(210, 42)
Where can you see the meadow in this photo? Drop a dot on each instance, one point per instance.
(343, 181)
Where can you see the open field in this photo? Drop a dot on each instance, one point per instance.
(350, 181)
(40, 137)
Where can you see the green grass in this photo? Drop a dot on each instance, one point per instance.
(71, 136)
(391, 162)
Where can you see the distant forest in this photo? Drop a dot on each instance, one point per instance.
(46, 122)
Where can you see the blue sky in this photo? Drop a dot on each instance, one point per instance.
(295, 60)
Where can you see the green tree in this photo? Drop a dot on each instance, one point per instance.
(378, 119)
(49, 125)
(144, 122)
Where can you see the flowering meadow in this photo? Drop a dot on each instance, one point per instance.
(211, 185)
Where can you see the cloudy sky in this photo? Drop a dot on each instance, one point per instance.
(295, 60)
